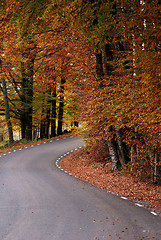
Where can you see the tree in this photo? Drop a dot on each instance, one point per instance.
(107, 54)
(130, 84)
(7, 112)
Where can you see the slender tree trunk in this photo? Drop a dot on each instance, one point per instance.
(23, 127)
(99, 65)
(27, 72)
(47, 122)
(23, 102)
(53, 112)
(76, 124)
(26, 101)
(112, 145)
(112, 149)
(42, 124)
(113, 154)
(156, 160)
(61, 109)
(29, 100)
(7, 114)
(42, 129)
(121, 149)
(107, 59)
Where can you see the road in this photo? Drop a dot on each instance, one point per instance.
(38, 201)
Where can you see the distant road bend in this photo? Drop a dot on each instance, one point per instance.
(38, 201)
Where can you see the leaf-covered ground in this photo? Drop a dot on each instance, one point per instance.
(21, 144)
(122, 183)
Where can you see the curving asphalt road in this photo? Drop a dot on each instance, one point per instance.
(38, 201)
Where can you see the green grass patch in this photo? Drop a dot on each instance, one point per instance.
(3, 144)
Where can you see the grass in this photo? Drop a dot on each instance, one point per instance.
(3, 144)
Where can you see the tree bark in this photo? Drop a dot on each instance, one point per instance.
(42, 124)
(53, 112)
(27, 73)
(7, 114)
(61, 108)
(121, 149)
(23, 127)
(47, 120)
(76, 124)
(156, 160)
(99, 65)
(113, 154)
(107, 58)
(26, 101)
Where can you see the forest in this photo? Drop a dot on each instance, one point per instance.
(94, 64)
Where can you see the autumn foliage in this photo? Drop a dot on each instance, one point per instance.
(92, 62)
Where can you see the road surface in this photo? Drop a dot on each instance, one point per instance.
(38, 201)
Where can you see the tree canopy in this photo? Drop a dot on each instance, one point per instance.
(96, 62)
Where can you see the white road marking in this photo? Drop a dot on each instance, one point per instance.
(154, 213)
(124, 198)
(139, 205)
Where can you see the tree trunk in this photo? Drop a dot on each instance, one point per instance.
(29, 100)
(47, 121)
(76, 124)
(113, 154)
(53, 112)
(26, 101)
(42, 129)
(99, 65)
(108, 57)
(27, 72)
(121, 149)
(7, 114)
(112, 146)
(23, 127)
(61, 108)
(42, 124)
(156, 160)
